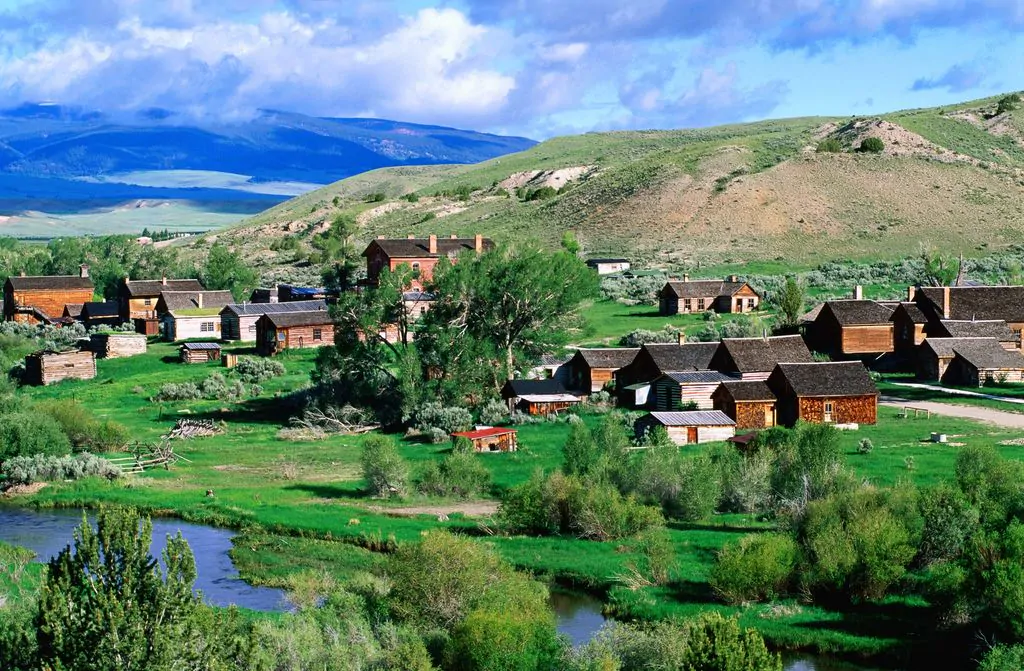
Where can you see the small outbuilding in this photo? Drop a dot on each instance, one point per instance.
(609, 266)
(491, 439)
(537, 397)
(293, 330)
(749, 402)
(48, 367)
(853, 328)
(200, 352)
(688, 427)
(114, 345)
(238, 320)
(100, 313)
(677, 390)
(591, 370)
(829, 392)
(981, 361)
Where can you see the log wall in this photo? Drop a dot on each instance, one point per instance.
(115, 345)
(51, 367)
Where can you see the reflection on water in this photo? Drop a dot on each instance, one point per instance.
(47, 532)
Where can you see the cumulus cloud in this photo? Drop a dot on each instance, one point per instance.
(958, 78)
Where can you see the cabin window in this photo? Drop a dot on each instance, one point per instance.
(829, 407)
(688, 305)
(317, 334)
(147, 302)
(207, 327)
(415, 270)
(280, 336)
(751, 303)
(700, 304)
(252, 328)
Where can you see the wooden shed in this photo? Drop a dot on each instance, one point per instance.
(756, 358)
(491, 439)
(982, 361)
(689, 427)
(830, 392)
(852, 328)
(676, 390)
(293, 330)
(935, 355)
(49, 367)
(591, 370)
(200, 352)
(238, 320)
(749, 402)
(114, 345)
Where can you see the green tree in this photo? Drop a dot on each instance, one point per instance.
(105, 602)
(791, 301)
(830, 146)
(570, 244)
(225, 269)
(580, 452)
(24, 434)
(384, 470)
(1007, 104)
(339, 253)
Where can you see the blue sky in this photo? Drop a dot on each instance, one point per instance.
(530, 67)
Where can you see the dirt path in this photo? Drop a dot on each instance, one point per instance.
(1009, 420)
(469, 509)
(959, 392)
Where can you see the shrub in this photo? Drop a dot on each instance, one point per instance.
(448, 419)
(830, 145)
(1003, 658)
(173, 391)
(48, 468)
(384, 470)
(1007, 103)
(687, 488)
(757, 567)
(599, 512)
(459, 474)
(580, 453)
(218, 388)
(871, 145)
(375, 198)
(746, 485)
(865, 446)
(949, 522)
(108, 436)
(538, 506)
(493, 412)
(26, 434)
(256, 370)
(74, 420)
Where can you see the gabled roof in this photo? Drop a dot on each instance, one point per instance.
(608, 357)
(854, 312)
(594, 262)
(291, 319)
(759, 355)
(73, 309)
(943, 347)
(676, 357)
(486, 432)
(177, 301)
(693, 418)
(827, 378)
(100, 310)
(913, 312)
(49, 282)
(748, 390)
(991, 328)
(554, 359)
(532, 388)
(704, 288)
(812, 314)
(697, 377)
(550, 398)
(987, 353)
(418, 248)
(251, 309)
(1006, 303)
(199, 346)
(136, 288)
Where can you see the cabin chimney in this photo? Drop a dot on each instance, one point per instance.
(686, 277)
(478, 243)
(199, 299)
(410, 237)
(734, 278)
(858, 293)
(682, 338)
(945, 302)
(163, 280)
(433, 244)
(21, 274)
(83, 270)
(911, 294)
(380, 237)
(454, 237)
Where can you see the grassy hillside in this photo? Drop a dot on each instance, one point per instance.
(950, 178)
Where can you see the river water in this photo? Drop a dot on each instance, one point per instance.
(47, 532)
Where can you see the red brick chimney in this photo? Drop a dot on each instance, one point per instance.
(432, 248)
(478, 243)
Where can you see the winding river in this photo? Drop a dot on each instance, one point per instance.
(47, 532)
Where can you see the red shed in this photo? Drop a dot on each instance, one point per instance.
(491, 439)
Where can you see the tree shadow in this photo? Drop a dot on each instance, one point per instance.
(252, 411)
(348, 490)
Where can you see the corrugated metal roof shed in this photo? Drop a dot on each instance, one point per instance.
(693, 418)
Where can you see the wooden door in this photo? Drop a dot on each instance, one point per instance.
(691, 434)
(829, 409)
(769, 416)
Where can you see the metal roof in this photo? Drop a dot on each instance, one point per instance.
(550, 398)
(697, 376)
(693, 418)
(200, 345)
(256, 309)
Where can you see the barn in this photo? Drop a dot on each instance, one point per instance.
(755, 358)
(749, 402)
(238, 320)
(490, 439)
(830, 392)
(688, 427)
(679, 389)
(591, 370)
(276, 332)
(48, 367)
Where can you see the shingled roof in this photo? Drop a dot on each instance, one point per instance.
(757, 355)
(255, 309)
(989, 328)
(987, 353)
(704, 288)
(827, 378)
(748, 390)
(1006, 303)
(419, 248)
(291, 319)
(609, 357)
(913, 312)
(546, 387)
(100, 310)
(136, 288)
(177, 301)
(859, 312)
(687, 356)
(943, 347)
(48, 282)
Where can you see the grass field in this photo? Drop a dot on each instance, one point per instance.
(301, 505)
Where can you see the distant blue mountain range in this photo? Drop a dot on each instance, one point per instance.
(54, 153)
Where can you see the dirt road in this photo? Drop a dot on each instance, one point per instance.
(1009, 420)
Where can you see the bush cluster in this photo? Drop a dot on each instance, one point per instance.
(49, 468)
(214, 388)
(84, 432)
(638, 290)
(439, 421)
(493, 412)
(257, 370)
(460, 475)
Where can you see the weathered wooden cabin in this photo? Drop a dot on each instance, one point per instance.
(729, 296)
(238, 320)
(689, 427)
(750, 403)
(199, 352)
(655, 359)
(191, 314)
(591, 370)
(42, 299)
(537, 397)
(293, 330)
(116, 345)
(909, 324)
(975, 328)
(47, 367)
(935, 355)
(756, 358)
(839, 392)
(967, 303)
(491, 439)
(552, 367)
(138, 298)
(100, 313)
(852, 328)
(679, 389)
(975, 362)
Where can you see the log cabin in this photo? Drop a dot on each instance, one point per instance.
(490, 439)
(688, 428)
(750, 403)
(419, 254)
(116, 345)
(729, 296)
(967, 303)
(100, 313)
(537, 397)
(293, 330)
(41, 299)
(46, 367)
(238, 320)
(138, 298)
(977, 361)
(852, 328)
(199, 352)
(591, 370)
(830, 392)
(689, 389)
(756, 358)
(191, 314)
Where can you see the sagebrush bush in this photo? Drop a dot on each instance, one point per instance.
(461, 475)
(49, 468)
(448, 419)
(871, 145)
(214, 388)
(757, 567)
(493, 412)
(178, 391)
(255, 370)
(830, 145)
